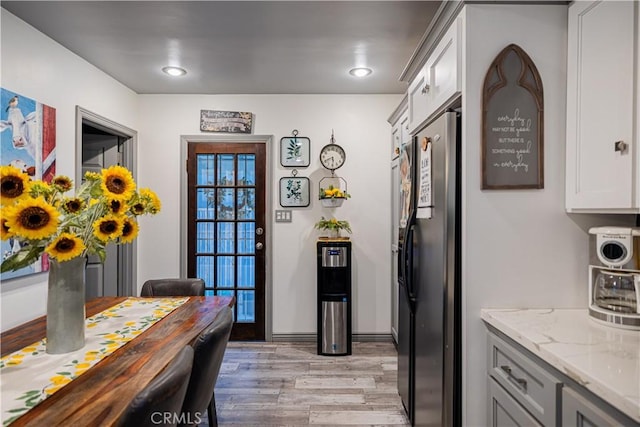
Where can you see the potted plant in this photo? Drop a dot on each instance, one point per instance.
(333, 226)
(332, 197)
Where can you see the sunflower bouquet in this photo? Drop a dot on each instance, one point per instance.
(37, 217)
(332, 192)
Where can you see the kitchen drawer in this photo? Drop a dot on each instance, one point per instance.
(504, 411)
(581, 412)
(530, 384)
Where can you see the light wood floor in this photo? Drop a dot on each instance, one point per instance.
(288, 384)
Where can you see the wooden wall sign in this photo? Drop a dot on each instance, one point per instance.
(512, 123)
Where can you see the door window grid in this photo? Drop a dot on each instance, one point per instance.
(225, 224)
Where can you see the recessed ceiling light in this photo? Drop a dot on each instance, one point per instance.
(174, 71)
(360, 72)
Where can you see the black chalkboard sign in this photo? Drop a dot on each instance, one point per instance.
(512, 123)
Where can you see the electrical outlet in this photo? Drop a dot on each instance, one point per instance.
(283, 216)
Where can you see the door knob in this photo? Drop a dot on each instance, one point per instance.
(259, 231)
(259, 246)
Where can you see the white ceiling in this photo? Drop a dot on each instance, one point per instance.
(238, 47)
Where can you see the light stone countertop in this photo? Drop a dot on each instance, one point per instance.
(602, 358)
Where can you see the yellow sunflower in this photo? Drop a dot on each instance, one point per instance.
(108, 227)
(117, 183)
(137, 208)
(5, 233)
(65, 247)
(14, 185)
(63, 183)
(129, 231)
(73, 205)
(153, 201)
(32, 219)
(117, 206)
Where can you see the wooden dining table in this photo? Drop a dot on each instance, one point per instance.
(101, 395)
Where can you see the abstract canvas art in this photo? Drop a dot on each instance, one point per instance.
(28, 138)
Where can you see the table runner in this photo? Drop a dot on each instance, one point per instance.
(30, 375)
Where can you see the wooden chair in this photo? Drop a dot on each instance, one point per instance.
(173, 288)
(159, 403)
(209, 350)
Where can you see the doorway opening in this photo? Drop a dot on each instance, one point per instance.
(101, 143)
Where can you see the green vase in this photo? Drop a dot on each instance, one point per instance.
(65, 306)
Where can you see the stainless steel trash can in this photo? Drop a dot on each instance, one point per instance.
(334, 327)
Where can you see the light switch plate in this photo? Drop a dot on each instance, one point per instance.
(283, 215)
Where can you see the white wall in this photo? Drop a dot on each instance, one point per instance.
(520, 248)
(35, 66)
(359, 122)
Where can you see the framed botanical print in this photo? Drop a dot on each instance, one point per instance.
(294, 151)
(294, 192)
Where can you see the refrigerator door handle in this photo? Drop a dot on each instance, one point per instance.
(408, 264)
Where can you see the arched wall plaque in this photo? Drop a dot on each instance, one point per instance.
(512, 123)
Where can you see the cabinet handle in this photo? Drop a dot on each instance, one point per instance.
(519, 381)
(425, 89)
(620, 146)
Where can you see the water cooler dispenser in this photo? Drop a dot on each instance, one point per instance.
(334, 297)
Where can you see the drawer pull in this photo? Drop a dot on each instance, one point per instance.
(425, 89)
(620, 146)
(519, 381)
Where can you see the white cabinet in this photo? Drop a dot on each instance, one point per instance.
(395, 220)
(439, 80)
(526, 391)
(580, 412)
(603, 114)
(395, 141)
(405, 136)
(534, 391)
(399, 121)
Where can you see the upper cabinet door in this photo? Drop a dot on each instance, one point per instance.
(601, 110)
(439, 80)
(442, 68)
(418, 100)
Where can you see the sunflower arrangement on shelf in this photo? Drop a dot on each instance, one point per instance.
(37, 217)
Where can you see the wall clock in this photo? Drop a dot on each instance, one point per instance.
(332, 156)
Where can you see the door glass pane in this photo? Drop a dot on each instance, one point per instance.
(226, 272)
(226, 175)
(224, 293)
(205, 172)
(246, 237)
(205, 203)
(205, 241)
(246, 169)
(246, 203)
(226, 203)
(246, 272)
(204, 269)
(246, 306)
(226, 236)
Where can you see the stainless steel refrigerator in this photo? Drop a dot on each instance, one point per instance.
(429, 326)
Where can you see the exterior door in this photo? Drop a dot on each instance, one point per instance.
(226, 220)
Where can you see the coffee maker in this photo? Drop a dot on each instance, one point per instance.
(614, 276)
